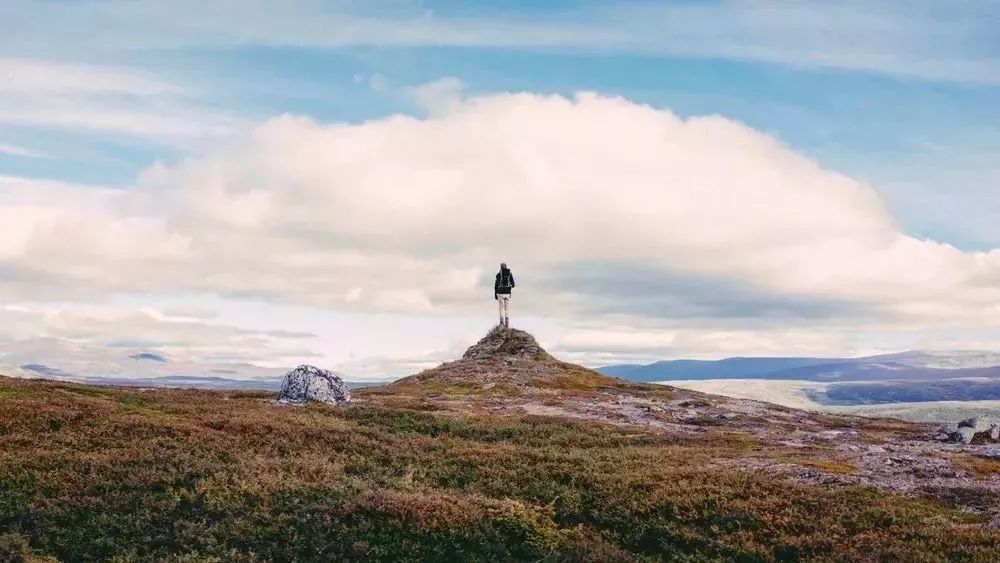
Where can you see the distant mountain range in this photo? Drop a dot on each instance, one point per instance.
(202, 382)
(912, 366)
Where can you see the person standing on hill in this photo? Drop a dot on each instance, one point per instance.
(501, 292)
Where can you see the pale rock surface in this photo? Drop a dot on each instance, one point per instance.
(309, 383)
(977, 423)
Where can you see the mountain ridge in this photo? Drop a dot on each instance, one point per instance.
(911, 365)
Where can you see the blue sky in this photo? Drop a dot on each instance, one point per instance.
(897, 96)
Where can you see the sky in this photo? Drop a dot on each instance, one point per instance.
(232, 188)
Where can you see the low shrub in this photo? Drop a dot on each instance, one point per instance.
(203, 476)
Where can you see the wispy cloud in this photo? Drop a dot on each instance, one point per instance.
(16, 150)
(46, 77)
(105, 99)
(925, 39)
(62, 339)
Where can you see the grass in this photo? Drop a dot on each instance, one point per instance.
(178, 475)
(981, 467)
(15, 393)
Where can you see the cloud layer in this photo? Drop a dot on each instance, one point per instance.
(610, 212)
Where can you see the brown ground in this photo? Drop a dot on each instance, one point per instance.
(504, 455)
(508, 372)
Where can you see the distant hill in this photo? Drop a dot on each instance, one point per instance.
(913, 365)
(730, 368)
(201, 382)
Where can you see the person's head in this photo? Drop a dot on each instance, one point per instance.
(503, 265)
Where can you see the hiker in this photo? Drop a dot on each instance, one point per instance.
(501, 292)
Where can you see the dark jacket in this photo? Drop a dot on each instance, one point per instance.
(504, 283)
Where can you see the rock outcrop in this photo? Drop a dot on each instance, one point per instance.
(508, 357)
(964, 434)
(309, 383)
(970, 428)
(977, 423)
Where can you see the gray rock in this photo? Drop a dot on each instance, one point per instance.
(964, 434)
(948, 428)
(995, 432)
(506, 344)
(308, 383)
(976, 423)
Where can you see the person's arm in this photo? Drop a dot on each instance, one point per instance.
(496, 287)
(512, 280)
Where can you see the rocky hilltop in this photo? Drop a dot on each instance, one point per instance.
(507, 344)
(509, 372)
(507, 359)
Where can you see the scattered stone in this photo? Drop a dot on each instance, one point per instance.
(309, 383)
(728, 415)
(994, 523)
(995, 432)
(490, 385)
(694, 403)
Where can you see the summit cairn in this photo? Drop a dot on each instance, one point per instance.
(504, 359)
(507, 343)
(309, 383)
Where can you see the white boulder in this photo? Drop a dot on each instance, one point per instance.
(309, 383)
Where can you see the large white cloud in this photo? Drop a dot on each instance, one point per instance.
(412, 214)
(408, 212)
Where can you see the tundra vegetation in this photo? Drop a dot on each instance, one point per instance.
(431, 472)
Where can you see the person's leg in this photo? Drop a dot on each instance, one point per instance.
(506, 311)
(500, 306)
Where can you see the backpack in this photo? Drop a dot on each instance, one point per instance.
(505, 280)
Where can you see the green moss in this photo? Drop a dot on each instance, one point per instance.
(15, 393)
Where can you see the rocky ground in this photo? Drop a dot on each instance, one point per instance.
(508, 372)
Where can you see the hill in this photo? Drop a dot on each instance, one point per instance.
(921, 366)
(506, 454)
(507, 360)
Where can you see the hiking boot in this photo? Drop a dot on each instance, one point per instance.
(506, 322)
